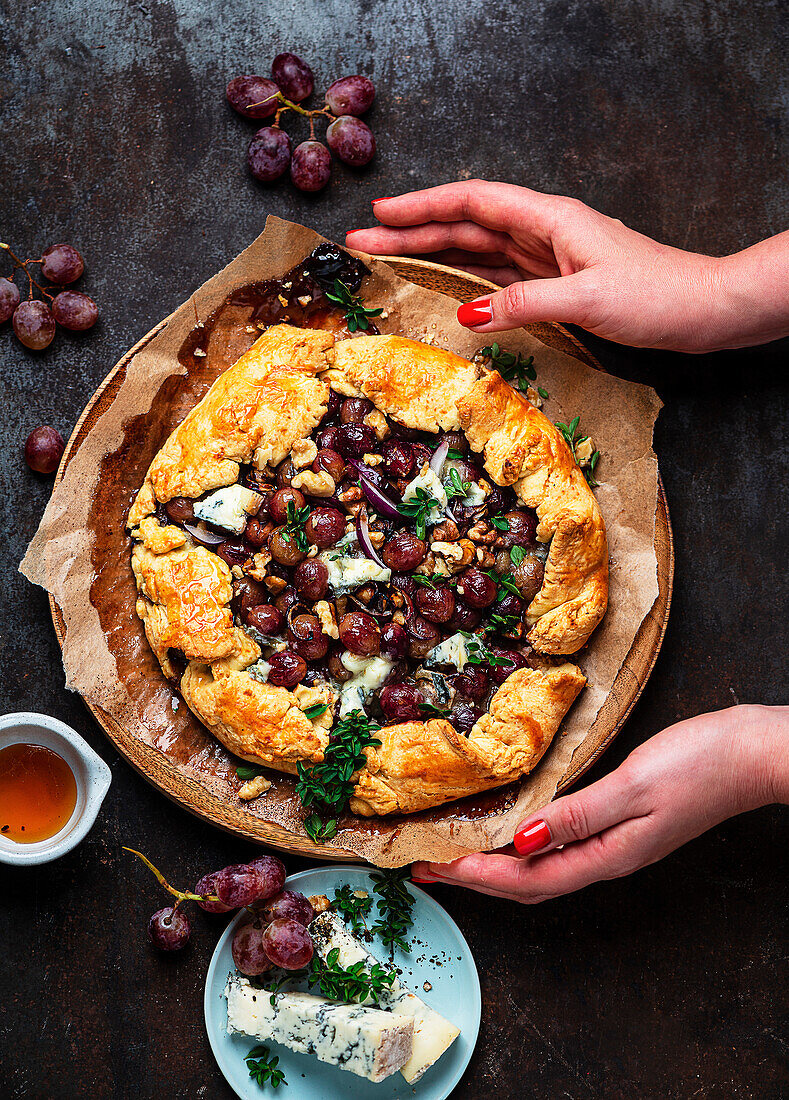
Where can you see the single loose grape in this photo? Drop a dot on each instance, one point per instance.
(44, 449)
(352, 140)
(34, 325)
(169, 929)
(74, 311)
(293, 76)
(310, 168)
(253, 96)
(61, 264)
(9, 298)
(268, 155)
(350, 95)
(288, 944)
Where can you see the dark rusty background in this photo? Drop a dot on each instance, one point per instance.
(669, 115)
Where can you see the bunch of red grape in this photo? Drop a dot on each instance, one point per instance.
(35, 320)
(270, 151)
(276, 936)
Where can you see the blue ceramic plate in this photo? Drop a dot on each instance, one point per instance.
(439, 955)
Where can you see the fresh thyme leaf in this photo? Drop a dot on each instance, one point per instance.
(456, 487)
(329, 784)
(355, 983)
(394, 905)
(420, 578)
(454, 454)
(572, 439)
(295, 518)
(264, 1069)
(315, 711)
(353, 305)
(506, 586)
(542, 392)
(478, 653)
(517, 555)
(274, 986)
(500, 523)
(504, 623)
(588, 470)
(353, 908)
(419, 510)
(431, 708)
(512, 368)
(248, 771)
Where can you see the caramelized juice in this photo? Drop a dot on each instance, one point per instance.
(38, 793)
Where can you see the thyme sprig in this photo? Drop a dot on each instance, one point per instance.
(355, 983)
(356, 314)
(517, 555)
(354, 908)
(328, 785)
(501, 523)
(419, 510)
(455, 486)
(264, 1069)
(478, 653)
(504, 623)
(512, 368)
(394, 906)
(573, 441)
(315, 711)
(295, 518)
(248, 771)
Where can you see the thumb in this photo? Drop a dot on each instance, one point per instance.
(561, 299)
(577, 816)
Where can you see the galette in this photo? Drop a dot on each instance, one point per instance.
(371, 534)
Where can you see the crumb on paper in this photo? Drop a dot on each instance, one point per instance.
(254, 788)
(200, 353)
(304, 299)
(533, 397)
(174, 702)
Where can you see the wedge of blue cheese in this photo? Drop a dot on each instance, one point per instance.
(347, 572)
(368, 674)
(229, 508)
(452, 651)
(433, 1034)
(366, 1041)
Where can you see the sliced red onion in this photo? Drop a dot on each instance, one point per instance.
(201, 532)
(363, 535)
(379, 500)
(439, 458)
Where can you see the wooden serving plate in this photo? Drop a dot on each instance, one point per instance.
(627, 687)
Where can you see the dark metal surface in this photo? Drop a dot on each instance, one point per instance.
(671, 116)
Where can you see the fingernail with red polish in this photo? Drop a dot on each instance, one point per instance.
(423, 881)
(382, 199)
(475, 313)
(532, 838)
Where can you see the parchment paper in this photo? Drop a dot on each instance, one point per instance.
(81, 553)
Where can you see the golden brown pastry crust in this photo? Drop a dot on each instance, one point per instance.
(270, 399)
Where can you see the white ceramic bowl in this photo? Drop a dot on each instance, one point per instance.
(92, 776)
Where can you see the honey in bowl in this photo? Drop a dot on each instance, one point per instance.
(38, 793)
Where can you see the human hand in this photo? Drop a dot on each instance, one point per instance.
(669, 790)
(559, 260)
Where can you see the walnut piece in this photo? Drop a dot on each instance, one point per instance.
(315, 485)
(446, 531)
(253, 788)
(323, 610)
(353, 493)
(303, 453)
(584, 451)
(319, 902)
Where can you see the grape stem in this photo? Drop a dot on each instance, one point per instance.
(286, 105)
(23, 264)
(181, 895)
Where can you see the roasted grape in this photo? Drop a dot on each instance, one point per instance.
(311, 579)
(463, 716)
(249, 954)
(508, 660)
(310, 166)
(264, 618)
(44, 449)
(324, 527)
(521, 528)
(465, 617)
(180, 510)
(268, 155)
(278, 505)
(74, 311)
(404, 552)
(289, 905)
(288, 944)
(401, 702)
(207, 887)
(398, 458)
(286, 472)
(233, 552)
(293, 76)
(9, 298)
(350, 95)
(394, 640)
(61, 264)
(307, 638)
(354, 440)
(256, 532)
(360, 634)
(287, 598)
(331, 462)
(169, 929)
(477, 588)
(283, 547)
(528, 576)
(472, 682)
(354, 409)
(238, 885)
(436, 604)
(422, 637)
(34, 324)
(244, 91)
(246, 594)
(352, 140)
(287, 669)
